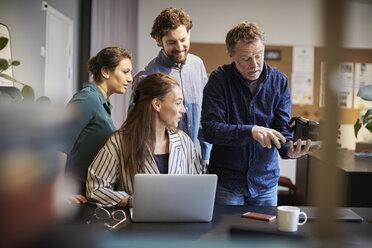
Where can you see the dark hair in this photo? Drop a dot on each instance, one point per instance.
(108, 57)
(246, 32)
(170, 18)
(138, 131)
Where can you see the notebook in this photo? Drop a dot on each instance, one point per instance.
(342, 214)
(173, 198)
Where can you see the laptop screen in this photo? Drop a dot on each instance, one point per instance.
(173, 198)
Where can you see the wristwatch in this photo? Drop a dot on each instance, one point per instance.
(129, 202)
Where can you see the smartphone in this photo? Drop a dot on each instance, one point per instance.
(259, 216)
(313, 143)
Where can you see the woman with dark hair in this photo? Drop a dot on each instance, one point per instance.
(111, 69)
(148, 142)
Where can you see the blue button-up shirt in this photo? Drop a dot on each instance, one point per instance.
(229, 112)
(192, 78)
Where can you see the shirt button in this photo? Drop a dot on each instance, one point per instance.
(189, 125)
(184, 89)
(187, 108)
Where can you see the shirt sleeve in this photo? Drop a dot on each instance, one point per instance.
(282, 116)
(216, 130)
(204, 145)
(83, 111)
(195, 161)
(104, 173)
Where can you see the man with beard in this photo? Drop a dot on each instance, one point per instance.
(171, 31)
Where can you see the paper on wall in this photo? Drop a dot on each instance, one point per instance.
(345, 85)
(363, 77)
(302, 88)
(302, 83)
(303, 59)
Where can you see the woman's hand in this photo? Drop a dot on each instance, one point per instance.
(70, 198)
(205, 164)
(126, 202)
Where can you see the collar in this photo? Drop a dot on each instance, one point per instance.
(167, 61)
(262, 77)
(175, 145)
(103, 101)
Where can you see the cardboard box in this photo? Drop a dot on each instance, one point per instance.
(363, 147)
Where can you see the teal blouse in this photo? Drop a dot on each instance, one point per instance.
(89, 132)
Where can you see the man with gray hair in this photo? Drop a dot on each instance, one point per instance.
(246, 106)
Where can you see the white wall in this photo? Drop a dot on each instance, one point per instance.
(285, 22)
(358, 24)
(27, 25)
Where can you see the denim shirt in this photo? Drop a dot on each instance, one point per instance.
(192, 78)
(229, 112)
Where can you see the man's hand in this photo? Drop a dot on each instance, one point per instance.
(298, 151)
(265, 135)
(75, 199)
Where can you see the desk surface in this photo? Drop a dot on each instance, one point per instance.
(356, 173)
(351, 163)
(218, 233)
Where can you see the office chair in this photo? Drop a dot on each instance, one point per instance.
(286, 182)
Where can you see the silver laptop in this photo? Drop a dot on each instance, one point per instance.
(173, 198)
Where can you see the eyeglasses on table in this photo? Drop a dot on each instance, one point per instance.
(100, 213)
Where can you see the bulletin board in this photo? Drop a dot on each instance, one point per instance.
(214, 55)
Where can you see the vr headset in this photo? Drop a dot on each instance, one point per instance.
(304, 129)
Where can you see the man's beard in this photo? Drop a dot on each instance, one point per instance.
(177, 59)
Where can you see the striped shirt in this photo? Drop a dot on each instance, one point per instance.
(108, 180)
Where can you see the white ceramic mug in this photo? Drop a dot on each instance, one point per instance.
(288, 218)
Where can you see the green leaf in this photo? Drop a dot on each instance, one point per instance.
(357, 126)
(44, 100)
(369, 126)
(365, 92)
(28, 93)
(6, 76)
(3, 42)
(15, 63)
(367, 116)
(368, 113)
(367, 120)
(4, 64)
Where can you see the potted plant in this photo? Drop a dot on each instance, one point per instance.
(13, 93)
(365, 93)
